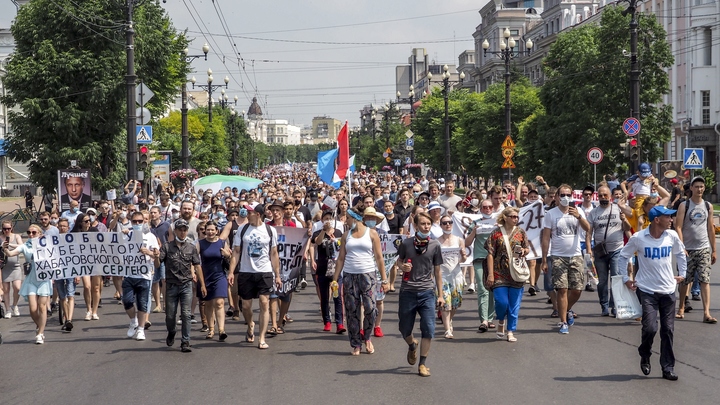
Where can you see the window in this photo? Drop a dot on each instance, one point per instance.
(707, 46)
(705, 107)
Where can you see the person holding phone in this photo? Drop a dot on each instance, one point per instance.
(561, 225)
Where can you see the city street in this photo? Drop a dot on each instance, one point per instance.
(596, 363)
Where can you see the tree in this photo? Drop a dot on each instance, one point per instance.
(66, 82)
(429, 129)
(586, 98)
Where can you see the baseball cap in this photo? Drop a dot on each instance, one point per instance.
(645, 169)
(93, 212)
(436, 205)
(697, 178)
(181, 223)
(674, 181)
(260, 209)
(658, 211)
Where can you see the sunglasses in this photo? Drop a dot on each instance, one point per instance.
(7, 229)
(138, 222)
(32, 233)
(446, 223)
(486, 206)
(87, 221)
(201, 229)
(565, 195)
(513, 216)
(587, 195)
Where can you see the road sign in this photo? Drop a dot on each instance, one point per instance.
(388, 151)
(144, 134)
(508, 164)
(142, 116)
(508, 153)
(386, 154)
(235, 168)
(397, 162)
(508, 143)
(408, 160)
(595, 155)
(143, 94)
(387, 159)
(693, 158)
(409, 133)
(631, 126)
(410, 142)
(409, 148)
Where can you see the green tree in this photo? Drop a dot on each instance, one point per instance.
(66, 81)
(429, 129)
(586, 98)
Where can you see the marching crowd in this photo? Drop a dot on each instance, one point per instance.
(218, 250)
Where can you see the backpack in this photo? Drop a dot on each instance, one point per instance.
(242, 234)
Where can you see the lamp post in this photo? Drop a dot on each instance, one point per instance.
(209, 87)
(446, 82)
(185, 149)
(234, 139)
(387, 111)
(507, 53)
(373, 116)
(409, 100)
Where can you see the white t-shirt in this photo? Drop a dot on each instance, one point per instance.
(150, 242)
(256, 248)
(641, 187)
(565, 235)
(450, 203)
(336, 224)
(655, 272)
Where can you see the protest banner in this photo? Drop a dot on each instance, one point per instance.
(73, 255)
(531, 218)
(74, 185)
(291, 247)
(390, 244)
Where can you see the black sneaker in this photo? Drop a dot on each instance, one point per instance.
(687, 305)
(170, 339)
(185, 347)
(589, 288)
(54, 306)
(148, 324)
(532, 291)
(68, 326)
(645, 366)
(204, 328)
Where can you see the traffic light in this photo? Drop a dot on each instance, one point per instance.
(624, 149)
(143, 157)
(634, 152)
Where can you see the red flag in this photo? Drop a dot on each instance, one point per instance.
(343, 141)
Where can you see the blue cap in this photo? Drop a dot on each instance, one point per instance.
(645, 168)
(658, 211)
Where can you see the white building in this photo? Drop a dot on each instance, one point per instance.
(279, 131)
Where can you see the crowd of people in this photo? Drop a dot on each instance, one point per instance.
(218, 250)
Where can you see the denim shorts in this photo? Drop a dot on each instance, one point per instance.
(159, 273)
(65, 288)
(136, 291)
(412, 303)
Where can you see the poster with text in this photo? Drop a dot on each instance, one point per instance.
(74, 185)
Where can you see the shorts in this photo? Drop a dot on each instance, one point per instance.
(159, 273)
(698, 261)
(136, 291)
(413, 303)
(568, 273)
(253, 285)
(65, 288)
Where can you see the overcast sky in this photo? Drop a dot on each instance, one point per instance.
(326, 71)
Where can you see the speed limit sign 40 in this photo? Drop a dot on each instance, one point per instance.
(595, 155)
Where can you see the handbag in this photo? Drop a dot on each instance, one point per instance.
(600, 248)
(26, 268)
(519, 269)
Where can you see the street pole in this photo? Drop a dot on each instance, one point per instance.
(634, 73)
(234, 142)
(184, 153)
(132, 173)
(446, 88)
(507, 100)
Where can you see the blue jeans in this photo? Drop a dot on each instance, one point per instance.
(412, 303)
(174, 294)
(606, 268)
(695, 289)
(136, 291)
(507, 304)
(547, 277)
(159, 273)
(66, 288)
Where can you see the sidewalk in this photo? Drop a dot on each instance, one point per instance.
(8, 204)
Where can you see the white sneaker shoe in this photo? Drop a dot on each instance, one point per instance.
(8, 314)
(140, 335)
(16, 311)
(95, 317)
(471, 288)
(88, 316)
(131, 330)
(179, 321)
(39, 339)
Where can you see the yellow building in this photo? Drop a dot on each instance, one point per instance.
(325, 129)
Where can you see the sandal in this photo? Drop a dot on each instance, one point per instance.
(680, 315)
(263, 346)
(449, 334)
(369, 348)
(483, 328)
(511, 337)
(355, 351)
(280, 330)
(272, 331)
(491, 325)
(210, 334)
(500, 333)
(288, 319)
(249, 337)
(710, 319)
(223, 335)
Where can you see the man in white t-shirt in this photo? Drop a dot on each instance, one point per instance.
(562, 226)
(255, 247)
(449, 200)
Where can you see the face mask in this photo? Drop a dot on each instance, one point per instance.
(297, 202)
(371, 223)
(615, 200)
(146, 228)
(416, 194)
(75, 210)
(227, 194)
(92, 218)
(243, 212)
(422, 235)
(604, 203)
(386, 196)
(221, 214)
(137, 227)
(474, 201)
(176, 215)
(181, 240)
(654, 195)
(565, 201)
(446, 232)
(645, 176)
(484, 196)
(123, 214)
(388, 212)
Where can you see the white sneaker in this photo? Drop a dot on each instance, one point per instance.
(95, 317)
(140, 335)
(471, 288)
(88, 316)
(179, 322)
(39, 339)
(303, 283)
(16, 311)
(8, 314)
(132, 329)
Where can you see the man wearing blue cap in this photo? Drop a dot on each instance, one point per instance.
(655, 282)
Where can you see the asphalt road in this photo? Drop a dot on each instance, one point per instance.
(597, 363)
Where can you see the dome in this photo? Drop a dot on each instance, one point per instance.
(254, 109)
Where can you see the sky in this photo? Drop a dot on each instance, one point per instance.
(315, 57)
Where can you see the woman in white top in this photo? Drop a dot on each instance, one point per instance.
(12, 275)
(435, 210)
(453, 252)
(359, 255)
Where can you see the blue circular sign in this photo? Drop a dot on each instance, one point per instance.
(631, 126)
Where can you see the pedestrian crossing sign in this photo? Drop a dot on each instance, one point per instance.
(144, 134)
(693, 158)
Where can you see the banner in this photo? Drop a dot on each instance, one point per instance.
(291, 247)
(74, 185)
(390, 244)
(73, 255)
(531, 219)
(161, 167)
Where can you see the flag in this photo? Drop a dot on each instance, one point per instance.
(343, 164)
(326, 167)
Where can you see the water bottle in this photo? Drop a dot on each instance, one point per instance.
(334, 288)
(406, 274)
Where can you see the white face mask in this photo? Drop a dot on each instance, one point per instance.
(484, 196)
(92, 218)
(565, 201)
(447, 232)
(474, 202)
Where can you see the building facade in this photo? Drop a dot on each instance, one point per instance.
(325, 129)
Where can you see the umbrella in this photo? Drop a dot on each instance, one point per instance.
(217, 182)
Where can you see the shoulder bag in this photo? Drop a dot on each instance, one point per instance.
(519, 269)
(600, 248)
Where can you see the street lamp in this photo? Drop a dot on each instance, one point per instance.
(389, 108)
(507, 53)
(234, 140)
(185, 149)
(409, 100)
(446, 82)
(373, 116)
(224, 101)
(209, 87)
